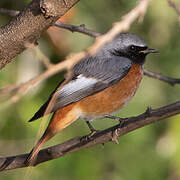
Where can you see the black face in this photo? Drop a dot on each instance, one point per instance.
(135, 53)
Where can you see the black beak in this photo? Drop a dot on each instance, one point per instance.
(149, 50)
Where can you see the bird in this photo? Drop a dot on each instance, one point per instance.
(98, 85)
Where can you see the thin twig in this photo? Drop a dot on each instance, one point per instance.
(171, 81)
(81, 29)
(175, 6)
(78, 143)
(42, 57)
(9, 12)
(22, 88)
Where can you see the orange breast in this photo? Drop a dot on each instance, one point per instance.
(113, 98)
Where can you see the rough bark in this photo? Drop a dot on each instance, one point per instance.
(28, 25)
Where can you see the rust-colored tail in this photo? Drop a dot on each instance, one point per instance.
(34, 152)
(61, 119)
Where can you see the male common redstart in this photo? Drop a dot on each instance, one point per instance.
(100, 85)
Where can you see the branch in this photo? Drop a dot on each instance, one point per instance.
(9, 12)
(175, 6)
(169, 80)
(28, 25)
(80, 29)
(41, 56)
(78, 143)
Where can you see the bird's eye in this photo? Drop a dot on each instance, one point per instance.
(132, 47)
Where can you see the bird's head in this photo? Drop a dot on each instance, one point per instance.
(130, 46)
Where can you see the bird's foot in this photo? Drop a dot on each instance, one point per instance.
(92, 133)
(89, 136)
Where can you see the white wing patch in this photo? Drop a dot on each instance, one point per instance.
(76, 85)
(74, 91)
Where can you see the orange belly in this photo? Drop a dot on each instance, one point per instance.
(113, 98)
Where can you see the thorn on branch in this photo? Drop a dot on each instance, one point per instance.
(115, 136)
(148, 111)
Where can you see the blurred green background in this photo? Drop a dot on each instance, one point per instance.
(151, 153)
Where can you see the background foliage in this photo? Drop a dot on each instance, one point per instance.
(149, 153)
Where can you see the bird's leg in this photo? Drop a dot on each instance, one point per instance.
(93, 131)
(121, 120)
(91, 128)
